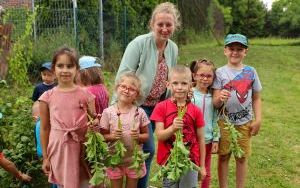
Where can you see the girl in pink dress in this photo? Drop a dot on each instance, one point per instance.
(134, 122)
(63, 113)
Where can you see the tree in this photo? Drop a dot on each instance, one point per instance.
(248, 16)
(292, 18)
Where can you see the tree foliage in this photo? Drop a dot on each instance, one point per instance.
(219, 18)
(248, 16)
(22, 54)
(284, 18)
(17, 137)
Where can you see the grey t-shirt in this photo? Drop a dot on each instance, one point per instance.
(241, 83)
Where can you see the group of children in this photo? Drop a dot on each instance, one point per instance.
(80, 93)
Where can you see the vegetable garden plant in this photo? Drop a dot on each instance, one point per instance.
(178, 162)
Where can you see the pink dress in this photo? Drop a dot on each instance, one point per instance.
(101, 97)
(68, 122)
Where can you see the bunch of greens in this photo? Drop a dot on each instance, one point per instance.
(97, 153)
(139, 156)
(178, 162)
(233, 135)
(119, 150)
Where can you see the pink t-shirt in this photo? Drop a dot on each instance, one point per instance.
(101, 97)
(166, 112)
(68, 120)
(109, 121)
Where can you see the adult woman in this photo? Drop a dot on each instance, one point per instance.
(150, 56)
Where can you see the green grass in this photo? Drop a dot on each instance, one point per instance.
(275, 159)
(275, 41)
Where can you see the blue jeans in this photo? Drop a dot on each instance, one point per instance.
(148, 147)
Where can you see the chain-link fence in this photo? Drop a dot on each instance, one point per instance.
(97, 27)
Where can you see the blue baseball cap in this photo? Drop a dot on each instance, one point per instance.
(88, 62)
(46, 66)
(232, 38)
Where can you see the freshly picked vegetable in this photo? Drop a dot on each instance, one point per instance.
(119, 149)
(233, 135)
(178, 162)
(96, 154)
(139, 156)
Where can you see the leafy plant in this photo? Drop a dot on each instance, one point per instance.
(22, 54)
(233, 135)
(139, 156)
(120, 150)
(97, 152)
(178, 162)
(18, 143)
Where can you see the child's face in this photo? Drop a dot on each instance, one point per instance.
(127, 91)
(204, 76)
(235, 53)
(179, 85)
(65, 70)
(47, 76)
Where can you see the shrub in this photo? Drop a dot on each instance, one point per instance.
(18, 128)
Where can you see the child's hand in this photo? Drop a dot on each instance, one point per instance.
(201, 174)
(117, 134)
(35, 118)
(24, 177)
(177, 124)
(215, 147)
(134, 134)
(224, 95)
(254, 128)
(95, 121)
(46, 166)
(190, 94)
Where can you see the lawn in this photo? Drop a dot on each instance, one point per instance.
(275, 160)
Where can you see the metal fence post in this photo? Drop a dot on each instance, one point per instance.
(34, 22)
(75, 21)
(101, 31)
(125, 27)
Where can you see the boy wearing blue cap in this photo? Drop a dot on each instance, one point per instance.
(47, 81)
(237, 93)
(47, 84)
